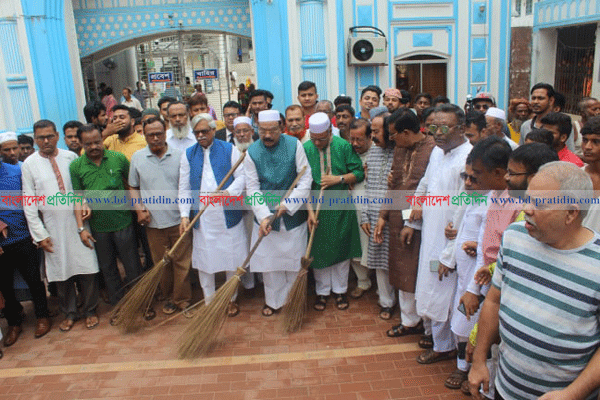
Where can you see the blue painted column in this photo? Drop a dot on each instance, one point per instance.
(271, 44)
(46, 33)
(312, 32)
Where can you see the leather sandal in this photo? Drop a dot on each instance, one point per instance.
(66, 325)
(92, 321)
(233, 309)
(268, 311)
(320, 303)
(341, 301)
(385, 313)
(456, 379)
(430, 356)
(426, 342)
(401, 330)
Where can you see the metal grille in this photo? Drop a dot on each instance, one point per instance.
(575, 64)
(199, 51)
(518, 7)
(528, 7)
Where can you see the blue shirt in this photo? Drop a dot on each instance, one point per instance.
(12, 215)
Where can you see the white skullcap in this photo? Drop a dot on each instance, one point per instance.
(318, 122)
(269, 116)
(496, 113)
(8, 137)
(242, 120)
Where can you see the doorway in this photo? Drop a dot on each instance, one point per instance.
(422, 73)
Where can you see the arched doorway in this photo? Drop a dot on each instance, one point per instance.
(422, 73)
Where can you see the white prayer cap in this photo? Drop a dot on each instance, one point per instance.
(8, 137)
(242, 120)
(496, 113)
(269, 116)
(318, 122)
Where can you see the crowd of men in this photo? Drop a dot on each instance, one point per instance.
(509, 290)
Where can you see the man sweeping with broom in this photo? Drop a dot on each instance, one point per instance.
(272, 165)
(219, 230)
(337, 238)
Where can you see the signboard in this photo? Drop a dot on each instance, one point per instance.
(206, 74)
(160, 77)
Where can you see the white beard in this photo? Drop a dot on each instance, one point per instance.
(181, 133)
(242, 146)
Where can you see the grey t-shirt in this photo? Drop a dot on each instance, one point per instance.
(158, 180)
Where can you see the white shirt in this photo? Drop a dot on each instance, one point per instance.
(133, 103)
(180, 144)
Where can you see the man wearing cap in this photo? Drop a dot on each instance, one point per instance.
(328, 108)
(272, 164)
(337, 240)
(9, 148)
(391, 99)
(495, 119)
(54, 228)
(219, 241)
(483, 101)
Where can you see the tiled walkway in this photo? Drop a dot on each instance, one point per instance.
(338, 355)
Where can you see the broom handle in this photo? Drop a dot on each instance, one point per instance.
(193, 221)
(312, 233)
(272, 218)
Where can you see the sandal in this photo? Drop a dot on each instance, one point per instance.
(464, 388)
(320, 303)
(233, 309)
(430, 356)
(66, 325)
(401, 330)
(92, 321)
(385, 313)
(456, 379)
(341, 301)
(268, 311)
(150, 314)
(426, 342)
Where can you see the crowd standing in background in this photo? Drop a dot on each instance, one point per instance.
(511, 291)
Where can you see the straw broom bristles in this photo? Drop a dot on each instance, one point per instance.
(126, 313)
(200, 336)
(295, 306)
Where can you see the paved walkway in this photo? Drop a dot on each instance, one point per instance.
(338, 355)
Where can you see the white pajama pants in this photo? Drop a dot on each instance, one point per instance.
(387, 295)
(332, 279)
(207, 282)
(408, 310)
(277, 287)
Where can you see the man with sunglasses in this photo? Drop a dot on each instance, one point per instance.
(435, 283)
(219, 237)
(483, 101)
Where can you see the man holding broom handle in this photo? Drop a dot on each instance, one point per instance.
(337, 239)
(156, 167)
(219, 230)
(272, 165)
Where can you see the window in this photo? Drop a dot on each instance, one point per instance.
(528, 7)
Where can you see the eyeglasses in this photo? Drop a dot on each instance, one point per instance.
(232, 115)
(445, 129)
(202, 132)
(464, 176)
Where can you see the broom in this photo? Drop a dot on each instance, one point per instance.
(200, 336)
(295, 305)
(126, 312)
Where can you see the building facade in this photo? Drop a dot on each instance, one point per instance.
(445, 47)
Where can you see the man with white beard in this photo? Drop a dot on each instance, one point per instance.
(242, 133)
(179, 135)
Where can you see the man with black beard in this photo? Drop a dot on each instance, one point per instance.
(179, 135)
(524, 163)
(126, 141)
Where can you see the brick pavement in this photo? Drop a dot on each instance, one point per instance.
(341, 355)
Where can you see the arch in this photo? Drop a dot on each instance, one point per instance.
(104, 30)
(416, 54)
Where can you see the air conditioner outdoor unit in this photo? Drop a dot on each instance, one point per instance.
(367, 51)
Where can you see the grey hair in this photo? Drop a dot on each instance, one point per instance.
(574, 182)
(204, 117)
(329, 104)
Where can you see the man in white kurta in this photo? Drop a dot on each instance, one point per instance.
(219, 239)
(54, 227)
(277, 158)
(435, 283)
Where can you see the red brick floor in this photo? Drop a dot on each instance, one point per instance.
(338, 355)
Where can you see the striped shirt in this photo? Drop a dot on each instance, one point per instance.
(549, 313)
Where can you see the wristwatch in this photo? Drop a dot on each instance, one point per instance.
(79, 230)
(343, 180)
